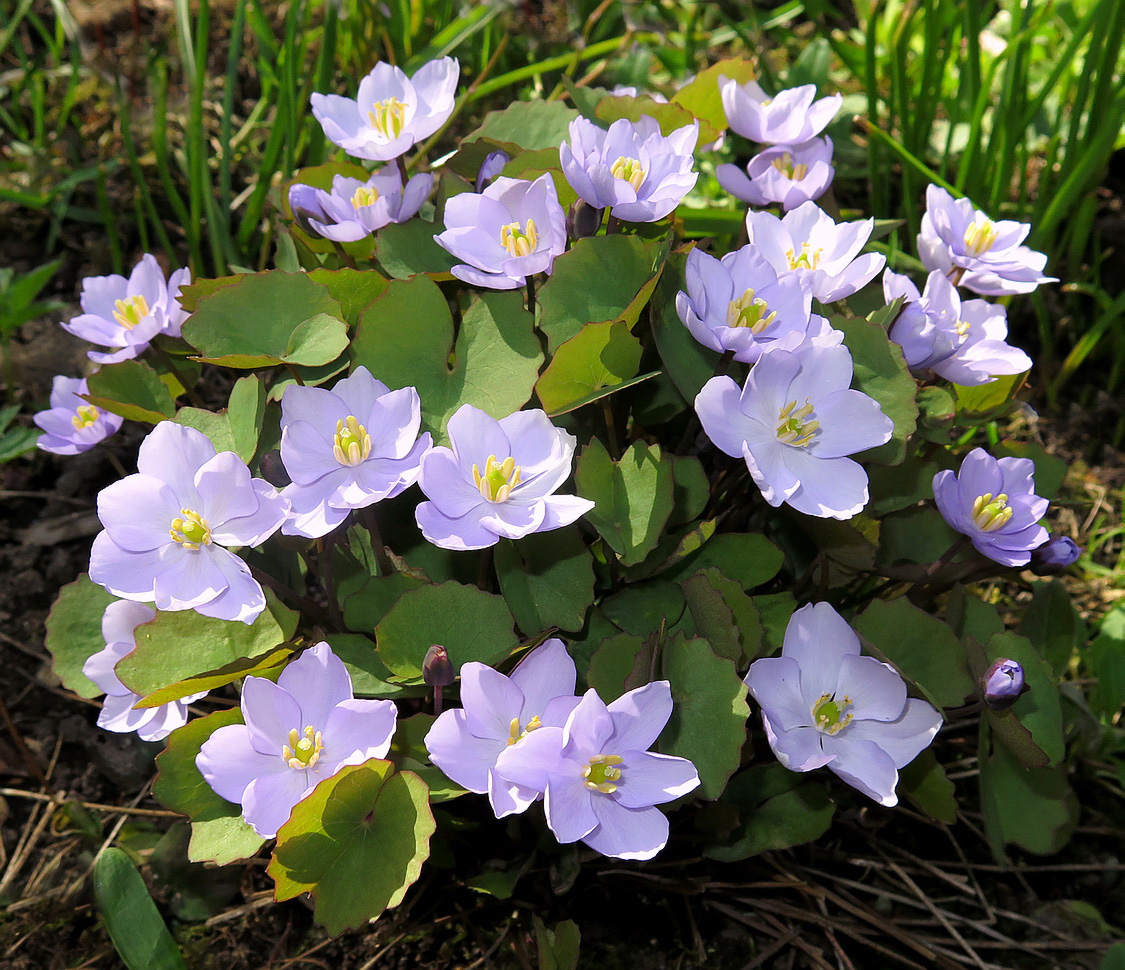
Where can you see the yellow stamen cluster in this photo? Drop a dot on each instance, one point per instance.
(749, 311)
(352, 443)
(84, 416)
(514, 732)
(784, 164)
(498, 479)
(808, 259)
(364, 196)
(979, 236)
(794, 427)
(303, 750)
(601, 773)
(990, 514)
(629, 170)
(388, 117)
(192, 531)
(130, 311)
(519, 240)
(828, 713)
(963, 327)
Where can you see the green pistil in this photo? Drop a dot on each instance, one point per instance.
(498, 479)
(828, 713)
(750, 311)
(303, 751)
(192, 531)
(990, 514)
(601, 773)
(794, 427)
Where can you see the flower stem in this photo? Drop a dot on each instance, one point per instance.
(531, 298)
(401, 162)
(613, 225)
(371, 522)
(188, 387)
(324, 564)
(484, 572)
(611, 429)
(343, 255)
(116, 463)
(437, 699)
(942, 561)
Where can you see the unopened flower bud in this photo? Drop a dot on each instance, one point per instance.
(492, 166)
(437, 671)
(582, 220)
(1002, 684)
(273, 471)
(1054, 555)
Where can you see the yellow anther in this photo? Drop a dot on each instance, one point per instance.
(828, 713)
(808, 259)
(516, 734)
(793, 427)
(784, 164)
(365, 195)
(629, 170)
(130, 311)
(980, 235)
(303, 750)
(498, 479)
(84, 416)
(750, 311)
(192, 531)
(600, 773)
(963, 327)
(519, 240)
(388, 117)
(352, 443)
(990, 514)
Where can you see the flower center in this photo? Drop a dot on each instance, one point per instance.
(828, 713)
(990, 514)
(795, 426)
(387, 117)
(749, 311)
(303, 750)
(364, 196)
(84, 416)
(808, 259)
(518, 240)
(963, 327)
(785, 166)
(498, 479)
(514, 732)
(130, 311)
(629, 170)
(979, 236)
(352, 443)
(601, 772)
(192, 531)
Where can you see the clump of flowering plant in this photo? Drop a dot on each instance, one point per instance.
(72, 424)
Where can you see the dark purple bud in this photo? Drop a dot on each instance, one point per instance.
(1002, 684)
(492, 166)
(1054, 555)
(437, 671)
(583, 220)
(273, 471)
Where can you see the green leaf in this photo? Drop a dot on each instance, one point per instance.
(138, 933)
(615, 662)
(245, 410)
(543, 161)
(1053, 625)
(701, 96)
(469, 623)
(692, 489)
(599, 356)
(133, 390)
(985, 402)
(924, 782)
(405, 339)
(370, 676)
(1039, 710)
(1050, 470)
(600, 279)
(357, 843)
(262, 665)
(708, 724)
(921, 646)
(365, 608)
(936, 414)
(527, 124)
(547, 579)
(1105, 659)
(266, 319)
(353, 289)
(668, 115)
(686, 360)
(408, 248)
(633, 497)
(175, 646)
(915, 535)
(74, 633)
(895, 487)
(215, 426)
(748, 558)
(219, 834)
(640, 608)
(881, 373)
(723, 615)
(558, 948)
(409, 753)
(776, 610)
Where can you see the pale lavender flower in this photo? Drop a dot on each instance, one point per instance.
(738, 303)
(631, 91)
(1055, 555)
(789, 118)
(347, 448)
(785, 174)
(984, 256)
(297, 732)
(510, 231)
(491, 167)
(825, 705)
(1002, 684)
(640, 174)
(355, 209)
(72, 424)
(600, 780)
(794, 423)
(497, 480)
(392, 112)
(962, 342)
(166, 528)
(824, 256)
(125, 314)
(500, 712)
(118, 714)
(993, 502)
